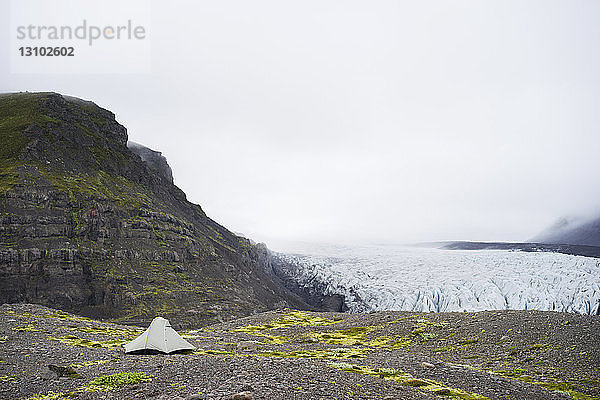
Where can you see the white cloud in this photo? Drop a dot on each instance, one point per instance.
(362, 121)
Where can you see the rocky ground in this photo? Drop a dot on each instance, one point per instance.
(48, 354)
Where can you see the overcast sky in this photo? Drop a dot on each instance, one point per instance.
(364, 121)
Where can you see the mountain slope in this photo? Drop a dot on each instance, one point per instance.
(87, 226)
(571, 231)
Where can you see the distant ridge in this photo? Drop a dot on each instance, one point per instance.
(571, 231)
(576, 250)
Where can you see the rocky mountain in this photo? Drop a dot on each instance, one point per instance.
(572, 231)
(91, 226)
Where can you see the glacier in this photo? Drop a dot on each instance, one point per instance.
(385, 277)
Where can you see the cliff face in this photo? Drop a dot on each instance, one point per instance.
(153, 159)
(87, 226)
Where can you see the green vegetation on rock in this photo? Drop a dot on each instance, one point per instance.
(108, 331)
(8, 378)
(52, 396)
(88, 363)
(17, 112)
(92, 344)
(344, 337)
(524, 375)
(291, 318)
(338, 353)
(26, 328)
(116, 381)
(407, 379)
(101, 185)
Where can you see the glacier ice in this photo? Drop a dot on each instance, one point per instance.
(373, 278)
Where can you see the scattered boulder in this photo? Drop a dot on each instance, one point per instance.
(242, 396)
(246, 388)
(195, 397)
(248, 345)
(64, 372)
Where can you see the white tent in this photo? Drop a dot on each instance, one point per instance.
(159, 336)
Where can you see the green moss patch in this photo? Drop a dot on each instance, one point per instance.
(422, 328)
(88, 363)
(26, 328)
(8, 175)
(102, 185)
(104, 383)
(92, 344)
(57, 315)
(52, 396)
(345, 337)
(116, 381)
(17, 112)
(331, 354)
(407, 379)
(107, 331)
(205, 352)
(273, 339)
(292, 318)
(358, 336)
(524, 375)
(390, 342)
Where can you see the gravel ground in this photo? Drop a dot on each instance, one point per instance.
(290, 355)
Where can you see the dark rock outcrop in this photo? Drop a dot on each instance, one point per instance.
(87, 226)
(153, 159)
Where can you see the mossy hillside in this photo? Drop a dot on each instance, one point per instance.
(98, 187)
(447, 340)
(149, 288)
(301, 320)
(83, 170)
(164, 283)
(18, 112)
(401, 370)
(76, 135)
(79, 188)
(9, 176)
